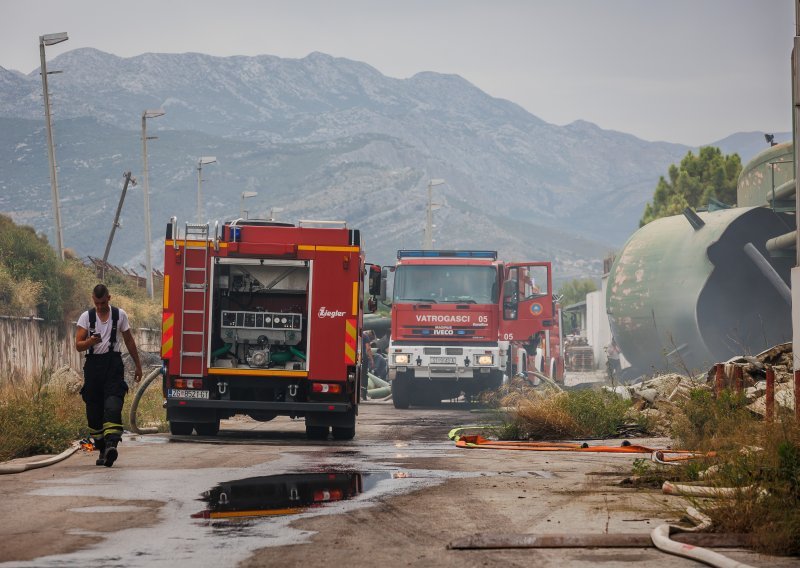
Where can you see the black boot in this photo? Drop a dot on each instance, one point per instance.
(110, 454)
(101, 447)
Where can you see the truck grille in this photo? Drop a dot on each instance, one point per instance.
(454, 351)
(432, 350)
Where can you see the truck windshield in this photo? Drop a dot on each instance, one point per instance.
(445, 284)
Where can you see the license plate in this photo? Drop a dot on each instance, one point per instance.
(186, 393)
(443, 360)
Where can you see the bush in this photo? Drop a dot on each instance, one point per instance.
(35, 420)
(534, 414)
(761, 460)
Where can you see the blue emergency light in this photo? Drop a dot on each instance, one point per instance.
(447, 254)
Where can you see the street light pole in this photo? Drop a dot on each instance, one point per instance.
(202, 161)
(428, 244)
(52, 39)
(146, 191)
(245, 195)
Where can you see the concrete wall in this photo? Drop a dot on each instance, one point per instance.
(30, 346)
(598, 331)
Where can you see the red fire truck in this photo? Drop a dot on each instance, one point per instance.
(263, 319)
(461, 320)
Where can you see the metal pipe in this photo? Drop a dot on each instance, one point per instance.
(783, 191)
(592, 540)
(782, 242)
(797, 395)
(738, 379)
(769, 272)
(770, 398)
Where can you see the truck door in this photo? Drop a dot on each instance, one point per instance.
(526, 303)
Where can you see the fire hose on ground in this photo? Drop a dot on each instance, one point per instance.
(20, 467)
(659, 535)
(137, 397)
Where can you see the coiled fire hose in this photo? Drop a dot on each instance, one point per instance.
(135, 403)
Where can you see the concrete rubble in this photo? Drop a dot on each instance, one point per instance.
(658, 396)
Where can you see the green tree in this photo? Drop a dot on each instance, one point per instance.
(575, 290)
(694, 182)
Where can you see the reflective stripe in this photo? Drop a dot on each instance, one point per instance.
(165, 298)
(111, 428)
(167, 327)
(350, 342)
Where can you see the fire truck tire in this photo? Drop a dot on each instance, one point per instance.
(343, 432)
(401, 391)
(207, 428)
(181, 428)
(316, 432)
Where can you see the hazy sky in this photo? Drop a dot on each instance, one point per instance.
(689, 71)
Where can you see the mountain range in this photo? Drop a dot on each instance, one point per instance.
(320, 138)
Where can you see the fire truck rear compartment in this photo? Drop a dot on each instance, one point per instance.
(260, 316)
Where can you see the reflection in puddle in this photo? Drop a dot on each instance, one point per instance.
(287, 494)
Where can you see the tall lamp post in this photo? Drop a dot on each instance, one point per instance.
(202, 162)
(146, 190)
(245, 195)
(45, 40)
(429, 217)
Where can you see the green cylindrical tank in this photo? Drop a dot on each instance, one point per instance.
(767, 171)
(685, 295)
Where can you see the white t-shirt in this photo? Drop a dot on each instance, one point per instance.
(104, 329)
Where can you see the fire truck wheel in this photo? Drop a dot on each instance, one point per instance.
(207, 428)
(343, 432)
(316, 432)
(181, 428)
(401, 391)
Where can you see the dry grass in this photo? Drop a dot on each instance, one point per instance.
(150, 412)
(547, 414)
(39, 417)
(36, 420)
(751, 454)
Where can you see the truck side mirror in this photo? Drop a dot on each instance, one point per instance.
(382, 289)
(374, 280)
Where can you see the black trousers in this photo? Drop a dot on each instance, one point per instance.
(104, 392)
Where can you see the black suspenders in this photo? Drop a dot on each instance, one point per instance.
(93, 323)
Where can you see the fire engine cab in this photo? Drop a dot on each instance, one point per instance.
(459, 318)
(264, 319)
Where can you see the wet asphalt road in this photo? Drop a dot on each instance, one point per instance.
(225, 496)
(260, 494)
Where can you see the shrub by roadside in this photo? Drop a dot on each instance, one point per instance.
(530, 413)
(45, 417)
(761, 461)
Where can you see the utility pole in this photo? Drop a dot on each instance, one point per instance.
(796, 269)
(428, 244)
(52, 39)
(128, 179)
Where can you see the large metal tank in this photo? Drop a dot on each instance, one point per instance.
(686, 291)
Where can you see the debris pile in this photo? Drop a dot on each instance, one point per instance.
(656, 398)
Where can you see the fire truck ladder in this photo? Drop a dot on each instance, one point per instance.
(196, 293)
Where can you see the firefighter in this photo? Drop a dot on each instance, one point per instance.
(104, 385)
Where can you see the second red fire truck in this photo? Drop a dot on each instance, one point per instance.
(459, 318)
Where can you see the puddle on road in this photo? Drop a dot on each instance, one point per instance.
(186, 530)
(287, 494)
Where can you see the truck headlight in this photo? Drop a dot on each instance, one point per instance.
(485, 359)
(401, 358)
